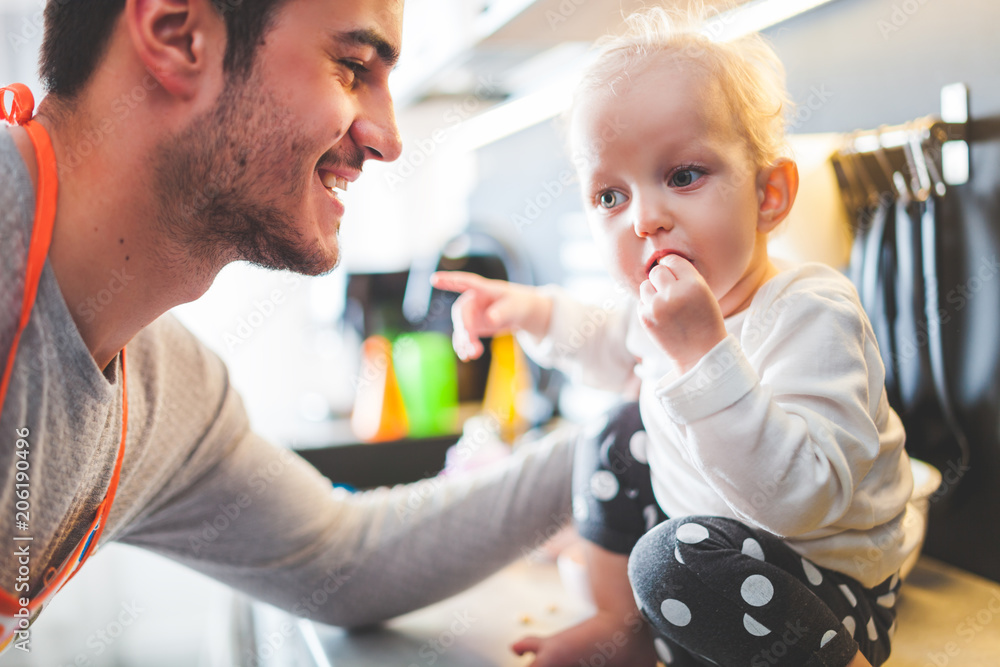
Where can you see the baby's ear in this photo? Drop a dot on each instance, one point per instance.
(777, 186)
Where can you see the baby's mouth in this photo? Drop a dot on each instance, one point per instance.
(660, 255)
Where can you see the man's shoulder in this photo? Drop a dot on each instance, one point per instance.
(177, 371)
(16, 192)
(16, 214)
(185, 384)
(167, 344)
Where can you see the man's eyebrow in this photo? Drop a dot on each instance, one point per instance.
(387, 53)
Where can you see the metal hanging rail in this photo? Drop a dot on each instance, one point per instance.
(915, 160)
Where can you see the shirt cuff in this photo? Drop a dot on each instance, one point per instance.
(719, 379)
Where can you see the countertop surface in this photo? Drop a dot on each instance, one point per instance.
(947, 618)
(472, 629)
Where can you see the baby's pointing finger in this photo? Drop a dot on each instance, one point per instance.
(455, 281)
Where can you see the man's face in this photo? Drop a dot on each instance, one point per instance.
(256, 178)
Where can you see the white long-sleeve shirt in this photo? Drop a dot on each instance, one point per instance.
(784, 425)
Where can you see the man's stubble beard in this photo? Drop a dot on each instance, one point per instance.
(222, 180)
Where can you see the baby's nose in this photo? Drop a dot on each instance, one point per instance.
(652, 218)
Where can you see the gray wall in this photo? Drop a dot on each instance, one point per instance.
(526, 198)
(880, 72)
(21, 32)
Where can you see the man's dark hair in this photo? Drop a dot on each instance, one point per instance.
(77, 34)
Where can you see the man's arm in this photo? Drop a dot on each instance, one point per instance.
(264, 521)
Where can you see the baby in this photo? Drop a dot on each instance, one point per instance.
(757, 512)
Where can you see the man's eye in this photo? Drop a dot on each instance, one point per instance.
(685, 177)
(354, 67)
(610, 199)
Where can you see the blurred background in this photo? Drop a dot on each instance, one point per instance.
(483, 184)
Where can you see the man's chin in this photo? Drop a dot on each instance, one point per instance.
(330, 257)
(320, 268)
(316, 264)
(315, 261)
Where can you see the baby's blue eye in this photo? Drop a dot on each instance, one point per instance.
(610, 199)
(685, 177)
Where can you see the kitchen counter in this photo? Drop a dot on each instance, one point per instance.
(947, 617)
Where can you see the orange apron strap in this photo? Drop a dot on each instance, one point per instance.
(21, 106)
(8, 604)
(45, 211)
(41, 238)
(88, 545)
(104, 509)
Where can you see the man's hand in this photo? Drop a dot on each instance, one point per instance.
(487, 307)
(679, 311)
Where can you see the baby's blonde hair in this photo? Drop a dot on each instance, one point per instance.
(751, 78)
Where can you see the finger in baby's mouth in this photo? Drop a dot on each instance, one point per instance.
(659, 255)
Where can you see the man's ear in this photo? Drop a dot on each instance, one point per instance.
(172, 38)
(776, 190)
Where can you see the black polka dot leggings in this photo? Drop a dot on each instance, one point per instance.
(714, 590)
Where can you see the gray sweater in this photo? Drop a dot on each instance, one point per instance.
(199, 487)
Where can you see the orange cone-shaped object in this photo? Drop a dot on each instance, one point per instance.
(508, 378)
(379, 413)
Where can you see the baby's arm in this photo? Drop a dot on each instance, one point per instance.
(616, 624)
(587, 342)
(788, 430)
(487, 307)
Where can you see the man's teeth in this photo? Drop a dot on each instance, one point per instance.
(332, 181)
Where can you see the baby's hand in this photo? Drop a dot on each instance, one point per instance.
(584, 644)
(487, 307)
(677, 308)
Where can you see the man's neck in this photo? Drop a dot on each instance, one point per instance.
(116, 274)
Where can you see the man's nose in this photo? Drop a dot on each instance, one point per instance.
(374, 130)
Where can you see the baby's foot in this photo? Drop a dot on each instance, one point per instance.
(601, 639)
